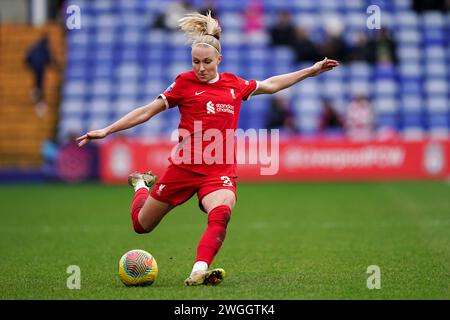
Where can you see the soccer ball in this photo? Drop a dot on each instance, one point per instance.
(137, 268)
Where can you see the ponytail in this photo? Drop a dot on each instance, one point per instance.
(201, 29)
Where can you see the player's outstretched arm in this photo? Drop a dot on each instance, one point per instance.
(131, 119)
(280, 82)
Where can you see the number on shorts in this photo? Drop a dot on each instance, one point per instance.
(226, 181)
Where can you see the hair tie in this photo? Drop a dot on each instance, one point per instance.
(209, 34)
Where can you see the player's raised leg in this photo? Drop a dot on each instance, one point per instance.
(146, 212)
(218, 204)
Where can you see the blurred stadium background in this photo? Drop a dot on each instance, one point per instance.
(125, 53)
(121, 54)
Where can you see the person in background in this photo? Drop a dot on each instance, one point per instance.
(330, 120)
(168, 20)
(39, 58)
(363, 49)
(254, 17)
(305, 49)
(360, 119)
(334, 46)
(209, 6)
(385, 48)
(280, 116)
(282, 32)
(431, 5)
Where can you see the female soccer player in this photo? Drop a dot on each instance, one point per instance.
(205, 97)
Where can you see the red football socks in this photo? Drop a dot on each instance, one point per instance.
(140, 196)
(214, 235)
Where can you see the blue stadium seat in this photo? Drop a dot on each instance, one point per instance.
(308, 125)
(438, 120)
(407, 19)
(411, 103)
(231, 5)
(334, 88)
(435, 37)
(435, 53)
(410, 69)
(436, 69)
(386, 105)
(360, 86)
(310, 87)
(232, 21)
(411, 86)
(387, 120)
(437, 103)
(436, 86)
(309, 21)
(385, 71)
(283, 54)
(387, 87)
(411, 119)
(433, 19)
(359, 70)
(410, 53)
(402, 5)
(307, 106)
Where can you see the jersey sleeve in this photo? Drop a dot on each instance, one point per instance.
(247, 87)
(172, 96)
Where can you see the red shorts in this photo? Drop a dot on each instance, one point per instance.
(179, 185)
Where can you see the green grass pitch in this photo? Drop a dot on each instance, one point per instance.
(284, 241)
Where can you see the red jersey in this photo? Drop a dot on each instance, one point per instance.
(207, 109)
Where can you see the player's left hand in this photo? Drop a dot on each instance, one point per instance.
(323, 66)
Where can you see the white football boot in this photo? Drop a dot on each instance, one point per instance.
(211, 277)
(148, 178)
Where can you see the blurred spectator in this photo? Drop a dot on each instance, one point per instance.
(280, 116)
(330, 120)
(363, 50)
(334, 46)
(283, 31)
(168, 20)
(49, 151)
(57, 11)
(209, 5)
(254, 17)
(305, 48)
(385, 48)
(425, 5)
(360, 119)
(38, 58)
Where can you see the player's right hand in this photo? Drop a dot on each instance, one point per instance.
(91, 135)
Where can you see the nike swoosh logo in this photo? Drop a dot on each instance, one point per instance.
(199, 93)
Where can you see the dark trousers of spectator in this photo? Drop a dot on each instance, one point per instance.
(38, 91)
